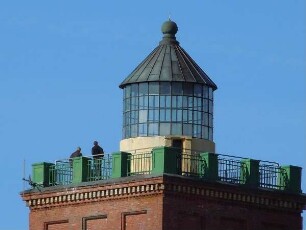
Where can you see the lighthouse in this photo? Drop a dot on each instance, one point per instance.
(168, 100)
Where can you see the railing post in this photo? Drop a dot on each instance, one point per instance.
(40, 173)
(209, 169)
(290, 178)
(80, 169)
(249, 172)
(166, 160)
(120, 165)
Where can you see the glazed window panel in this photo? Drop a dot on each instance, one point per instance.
(134, 90)
(168, 115)
(134, 131)
(173, 113)
(154, 88)
(143, 89)
(127, 91)
(143, 129)
(153, 129)
(198, 90)
(210, 90)
(190, 102)
(185, 116)
(151, 102)
(199, 104)
(143, 116)
(177, 88)
(210, 121)
(168, 101)
(127, 131)
(142, 103)
(165, 88)
(190, 117)
(127, 104)
(154, 115)
(127, 118)
(210, 135)
(185, 102)
(205, 92)
(205, 105)
(164, 129)
(162, 115)
(174, 102)
(211, 106)
(187, 129)
(198, 117)
(134, 103)
(188, 89)
(163, 101)
(197, 131)
(176, 129)
(205, 119)
(205, 132)
(134, 117)
(179, 101)
(179, 114)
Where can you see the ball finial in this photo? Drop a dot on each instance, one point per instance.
(169, 27)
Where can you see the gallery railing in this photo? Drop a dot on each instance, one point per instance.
(184, 162)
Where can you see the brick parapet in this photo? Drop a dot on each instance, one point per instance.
(183, 187)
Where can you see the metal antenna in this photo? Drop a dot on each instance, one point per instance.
(24, 172)
(29, 180)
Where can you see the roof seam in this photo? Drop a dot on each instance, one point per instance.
(187, 64)
(179, 64)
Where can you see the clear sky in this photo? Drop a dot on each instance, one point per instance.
(61, 63)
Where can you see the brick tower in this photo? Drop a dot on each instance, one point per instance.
(166, 174)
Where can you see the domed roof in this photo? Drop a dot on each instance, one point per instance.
(168, 62)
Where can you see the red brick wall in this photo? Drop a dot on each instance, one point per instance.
(131, 213)
(164, 203)
(201, 214)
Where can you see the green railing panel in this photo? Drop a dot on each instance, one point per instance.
(290, 179)
(210, 167)
(40, 173)
(249, 172)
(120, 164)
(80, 169)
(166, 160)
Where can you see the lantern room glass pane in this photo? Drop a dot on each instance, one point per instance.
(143, 116)
(134, 90)
(164, 108)
(177, 88)
(198, 90)
(187, 129)
(165, 88)
(143, 89)
(176, 129)
(127, 91)
(153, 88)
(153, 129)
(164, 129)
(205, 92)
(143, 129)
(188, 89)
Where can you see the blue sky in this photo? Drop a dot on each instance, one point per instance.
(61, 63)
